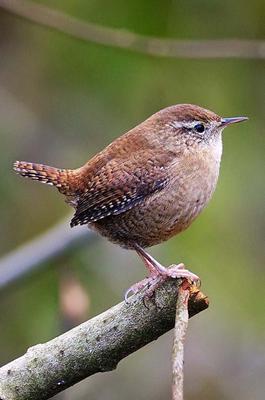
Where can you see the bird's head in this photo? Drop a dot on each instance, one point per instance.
(189, 126)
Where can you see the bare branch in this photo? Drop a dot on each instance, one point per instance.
(94, 346)
(53, 243)
(228, 48)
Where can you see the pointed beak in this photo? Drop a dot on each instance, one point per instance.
(233, 120)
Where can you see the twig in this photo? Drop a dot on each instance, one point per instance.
(181, 325)
(94, 346)
(228, 48)
(48, 245)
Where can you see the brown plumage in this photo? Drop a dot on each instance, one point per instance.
(150, 183)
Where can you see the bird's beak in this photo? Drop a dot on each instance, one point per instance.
(233, 120)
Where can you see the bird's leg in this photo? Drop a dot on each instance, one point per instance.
(174, 271)
(157, 274)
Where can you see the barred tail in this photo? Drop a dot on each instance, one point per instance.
(61, 178)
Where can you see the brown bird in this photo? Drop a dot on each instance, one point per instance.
(146, 186)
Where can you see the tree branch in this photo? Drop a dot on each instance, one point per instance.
(33, 254)
(94, 346)
(42, 15)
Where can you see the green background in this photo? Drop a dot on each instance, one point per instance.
(61, 101)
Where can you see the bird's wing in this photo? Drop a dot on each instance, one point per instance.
(119, 186)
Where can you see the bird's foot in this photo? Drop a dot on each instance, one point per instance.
(179, 271)
(149, 284)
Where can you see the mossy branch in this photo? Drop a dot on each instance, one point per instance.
(94, 346)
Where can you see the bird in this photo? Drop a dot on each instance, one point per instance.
(147, 186)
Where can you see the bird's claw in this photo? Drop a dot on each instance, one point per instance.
(136, 288)
(152, 282)
(179, 271)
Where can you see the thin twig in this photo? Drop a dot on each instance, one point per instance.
(94, 346)
(181, 325)
(227, 48)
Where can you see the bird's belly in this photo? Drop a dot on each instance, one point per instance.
(160, 217)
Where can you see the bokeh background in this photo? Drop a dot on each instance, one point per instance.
(61, 101)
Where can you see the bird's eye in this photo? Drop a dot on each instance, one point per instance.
(200, 128)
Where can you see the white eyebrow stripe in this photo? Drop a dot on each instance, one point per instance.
(176, 124)
(185, 124)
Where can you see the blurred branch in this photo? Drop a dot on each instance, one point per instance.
(32, 255)
(58, 239)
(94, 346)
(227, 48)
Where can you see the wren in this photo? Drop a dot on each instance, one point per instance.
(146, 186)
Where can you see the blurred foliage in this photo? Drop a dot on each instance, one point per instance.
(61, 101)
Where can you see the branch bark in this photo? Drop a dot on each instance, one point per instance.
(120, 38)
(94, 346)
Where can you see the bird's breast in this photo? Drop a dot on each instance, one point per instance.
(167, 212)
(193, 184)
